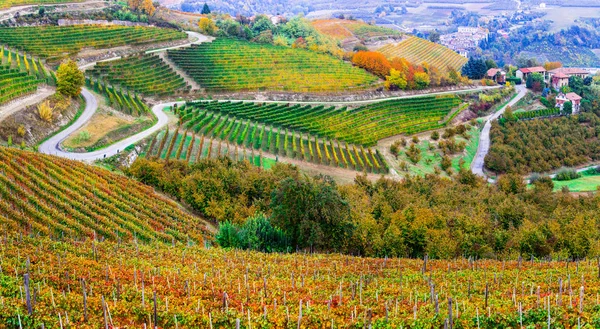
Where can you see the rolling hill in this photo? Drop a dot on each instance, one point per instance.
(417, 50)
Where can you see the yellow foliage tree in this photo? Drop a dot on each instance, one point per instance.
(207, 26)
(148, 7)
(45, 111)
(134, 4)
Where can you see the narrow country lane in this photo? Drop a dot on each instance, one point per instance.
(484, 139)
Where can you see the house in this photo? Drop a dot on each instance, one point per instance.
(575, 99)
(523, 73)
(497, 75)
(560, 77)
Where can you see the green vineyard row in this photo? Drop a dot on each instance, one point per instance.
(230, 65)
(55, 42)
(19, 75)
(119, 100)
(361, 126)
(146, 74)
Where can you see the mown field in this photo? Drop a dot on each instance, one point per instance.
(56, 42)
(145, 74)
(230, 65)
(417, 50)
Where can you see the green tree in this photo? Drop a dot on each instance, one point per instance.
(205, 9)
(69, 79)
(475, 68)
(535, 81)
(576, 84)
(262, 23)
(567, 108)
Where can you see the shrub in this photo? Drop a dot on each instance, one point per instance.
(69, 79)
(257, 233)
(45, 111)
(566, 174)
(435, 135)
(413, 153)
(446, 163)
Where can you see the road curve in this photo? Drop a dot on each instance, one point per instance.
(52, 145)
(484, 139)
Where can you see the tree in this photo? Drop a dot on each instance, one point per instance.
(509, 115)
(576, 84)
(421, 80)
(396, 80)
(552, 65)
(373, 62)
(148, 7)
(205, 9)
(261, 24)
(490, 64)
(434, 36)
(134, 5)
(69, 79)
(567, 108)
(535, 81)
(45, 111)
(475, 68)
(207, 26)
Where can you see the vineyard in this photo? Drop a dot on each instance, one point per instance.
(119, 100)
(11, 3)
(67, 199)
(94, 284)
(361, 126)
(341, 29)
(19, 75)
(56, 42)
(195, 139)
(146, 74)
(230, 65)
(417, 50)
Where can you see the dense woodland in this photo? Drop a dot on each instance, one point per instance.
(432, 215)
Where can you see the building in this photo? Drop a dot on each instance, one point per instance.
(523, 73)
(560, 77)
(467, 39)
(575, 99)
(497, 75)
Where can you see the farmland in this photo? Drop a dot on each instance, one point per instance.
(361, 126)
(342, 29)
(145, 74)
(19, 75)
(63, 198)
(229, 65)
(56, 42)
(11, 3)
(253, 137)
(417, 50)
(92, 283)
(123, 101)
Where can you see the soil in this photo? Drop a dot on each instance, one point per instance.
(36, 129)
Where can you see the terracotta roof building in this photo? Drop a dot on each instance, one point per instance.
(560, 77)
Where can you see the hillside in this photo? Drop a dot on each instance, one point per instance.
(417, 50)
(346, 30)
(231, 65)
(61, 198)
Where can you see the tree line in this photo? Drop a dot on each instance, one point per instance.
(440, 217)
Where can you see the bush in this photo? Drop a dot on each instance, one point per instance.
(257, 233)
(69, 79)
(414, 153)
(567, 174)
(435, 135)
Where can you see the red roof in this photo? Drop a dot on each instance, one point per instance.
(568, 71)
(560, 75)
(573, 97)
(535, 69)
(492, 72)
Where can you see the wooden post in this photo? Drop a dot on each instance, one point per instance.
(105, 315)
(155, 314)
(85, 316)
(450, 312)
(27, 293)
(486, 295)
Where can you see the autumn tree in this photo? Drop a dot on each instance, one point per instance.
(134, 5)
(373, 62)
(396, 80)
(552, 65)
(148, 7)
(69, 79)
(421, 80)
(207, 26)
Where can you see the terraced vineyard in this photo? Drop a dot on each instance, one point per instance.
(204, 122)
(63, 198)
(19, 75)
(146, 74)
(12, 3)
(417, 50)
(118, 99)
(341, 29)
(361, 126)
(55, 42)
(230, 65)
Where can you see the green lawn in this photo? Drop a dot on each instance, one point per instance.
(587, 183)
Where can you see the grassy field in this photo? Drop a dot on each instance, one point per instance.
(587, 183)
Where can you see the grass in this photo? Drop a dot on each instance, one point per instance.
(587, 183)
(99, 126)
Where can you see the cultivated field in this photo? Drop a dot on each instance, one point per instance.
(12, 3)
(56, 42)
(230, 65)
(417, 50)
(19, 75)
(145, 74)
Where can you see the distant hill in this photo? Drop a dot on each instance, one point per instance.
(417, 50)
(351, 32)
(60, 198)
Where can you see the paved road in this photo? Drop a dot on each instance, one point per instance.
(484, 139)
(52, 145)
